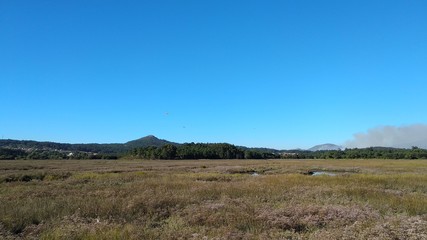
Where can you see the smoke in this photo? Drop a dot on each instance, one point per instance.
(391, 136)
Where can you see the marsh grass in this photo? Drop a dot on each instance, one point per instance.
(367, 199)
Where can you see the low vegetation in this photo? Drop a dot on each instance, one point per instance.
(213, 199)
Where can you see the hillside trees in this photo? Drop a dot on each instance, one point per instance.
(197, 151)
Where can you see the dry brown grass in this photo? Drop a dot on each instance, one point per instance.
(367, 199)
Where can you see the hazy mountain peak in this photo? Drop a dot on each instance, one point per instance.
(325, 147)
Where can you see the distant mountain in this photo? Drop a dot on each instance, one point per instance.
(106, 148)
(147, 141)
(324, 147)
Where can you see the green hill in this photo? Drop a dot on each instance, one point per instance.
(106, 148)
(148, 141)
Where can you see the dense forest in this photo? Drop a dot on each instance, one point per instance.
(199, 151)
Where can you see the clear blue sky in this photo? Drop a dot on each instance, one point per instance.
(282, 74)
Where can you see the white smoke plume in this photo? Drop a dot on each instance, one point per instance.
(391, 136)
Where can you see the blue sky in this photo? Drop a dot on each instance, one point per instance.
(282, 74)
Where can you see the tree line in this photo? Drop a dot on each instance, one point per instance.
(217, 151)
(198, 151)
(360, 153)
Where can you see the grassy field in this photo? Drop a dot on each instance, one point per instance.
(212, 199)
